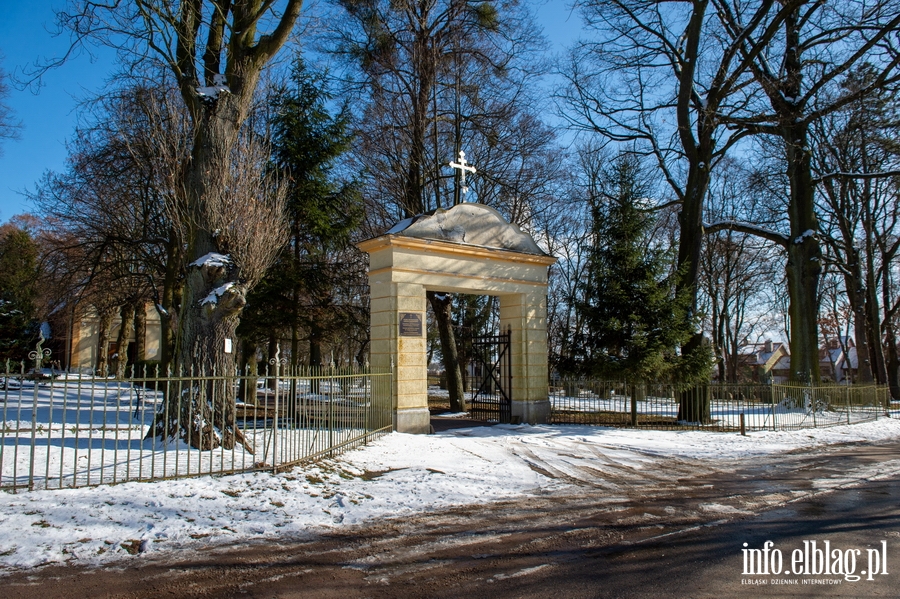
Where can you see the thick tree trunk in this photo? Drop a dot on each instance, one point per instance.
(213, 299)
(441, 304)
(804, 253)
(694, 403)
(804, 263)
(690, 244)
(315, 347)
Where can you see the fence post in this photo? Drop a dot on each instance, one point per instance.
(634, 392)
(772, 387)
(330, 409)
(38, 356)
(813, 403)
(849, 406)
(277, 362)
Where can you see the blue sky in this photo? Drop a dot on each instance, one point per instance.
(49, 116)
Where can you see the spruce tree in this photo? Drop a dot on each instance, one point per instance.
(634, 322)
(299, 291)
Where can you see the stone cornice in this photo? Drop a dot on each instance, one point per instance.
(449, 248)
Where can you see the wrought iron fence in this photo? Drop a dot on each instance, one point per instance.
(722, 407)
(64, 430)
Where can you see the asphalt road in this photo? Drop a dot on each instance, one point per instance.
(708, 561)
(671, 537)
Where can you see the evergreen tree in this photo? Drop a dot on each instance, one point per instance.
(303, 291)
(18, 293)
(634, 323)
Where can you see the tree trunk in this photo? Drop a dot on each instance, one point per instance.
(856, 295)
(140, 332)
(295, 337)
(104, 323)
(315, 347)
(315, 356)
(171, 295)
(892, 356)
(272, 353)
(214, 294)
(893, 362)
(213, 298)
(690, 243)
(804, 253)
(694, 404)
(873, 322)
(126, 314)
(638, 395)
(248, 372)
(441, 305)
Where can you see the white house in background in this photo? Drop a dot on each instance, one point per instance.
(838, 360)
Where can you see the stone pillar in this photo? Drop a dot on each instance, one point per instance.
(525, 315)
(403, 350)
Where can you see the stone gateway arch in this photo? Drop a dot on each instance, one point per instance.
(467, 249)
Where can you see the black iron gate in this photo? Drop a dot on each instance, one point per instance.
(490, 378)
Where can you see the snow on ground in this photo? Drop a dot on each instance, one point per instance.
(396, 476)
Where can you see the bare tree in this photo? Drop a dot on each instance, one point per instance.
(854, 157)
(9, 129)
(797, 77)
(107, 224)
(737, 272)
(216, 50)
(660, 76)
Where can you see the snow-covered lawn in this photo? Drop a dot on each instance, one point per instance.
(724, 414)
(395, 476)
(79, 431)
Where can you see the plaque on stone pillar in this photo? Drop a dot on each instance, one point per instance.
(410, 324)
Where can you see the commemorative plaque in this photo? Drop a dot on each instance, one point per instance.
(410, 324)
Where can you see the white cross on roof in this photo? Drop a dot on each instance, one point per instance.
(463, 166)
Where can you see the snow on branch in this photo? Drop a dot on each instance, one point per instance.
(740, 227)
(212, 91)
(804, 235)
(212, 260)
(216, 293)
(848, 175)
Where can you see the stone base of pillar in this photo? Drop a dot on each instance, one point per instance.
(413, 420)
(531, 412)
